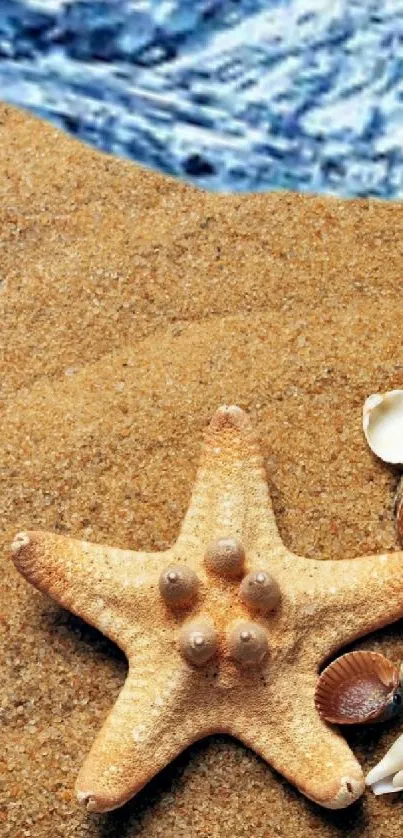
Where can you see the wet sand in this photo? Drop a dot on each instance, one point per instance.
(131, 306)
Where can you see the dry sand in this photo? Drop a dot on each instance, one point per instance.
(131, 306)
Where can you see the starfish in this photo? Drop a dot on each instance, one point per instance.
(225, 632)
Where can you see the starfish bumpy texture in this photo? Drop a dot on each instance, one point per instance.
(224, 632)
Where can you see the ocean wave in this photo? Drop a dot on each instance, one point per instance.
(232, 96)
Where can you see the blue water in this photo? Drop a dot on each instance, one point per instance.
(231, 95)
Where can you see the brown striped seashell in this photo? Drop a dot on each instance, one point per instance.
(359, 688)
(399, 509)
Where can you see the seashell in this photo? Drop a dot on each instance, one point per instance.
(399, 509)
(387, 775)
(359, 688)
(382, 423)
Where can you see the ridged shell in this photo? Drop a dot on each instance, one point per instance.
(399, 509)
(357, 688)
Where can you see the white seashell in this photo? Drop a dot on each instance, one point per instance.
(385, 786)
(398, 781)
(382, 422)
(387, 776)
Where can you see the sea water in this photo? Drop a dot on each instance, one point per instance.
(232, 95)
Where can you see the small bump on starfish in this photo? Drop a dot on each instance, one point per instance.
(178, 585)
(20, 540)
(229, 416)
(259, 591)
(225, 556)
(247, 643)
(198, 641)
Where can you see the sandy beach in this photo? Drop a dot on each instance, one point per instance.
(131, 307)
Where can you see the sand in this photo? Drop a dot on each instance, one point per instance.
(131, 306)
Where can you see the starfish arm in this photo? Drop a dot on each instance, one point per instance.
(148, 727)
(296, 743)
(230, 495)
(98, 583)
(356, 597)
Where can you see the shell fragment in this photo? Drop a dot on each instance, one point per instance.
(383, 425)
(387, 775)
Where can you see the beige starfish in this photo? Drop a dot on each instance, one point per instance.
(224, 632)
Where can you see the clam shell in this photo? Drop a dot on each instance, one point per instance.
(357, 688)
(382, 422)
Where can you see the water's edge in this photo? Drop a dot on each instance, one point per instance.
(232, 96)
